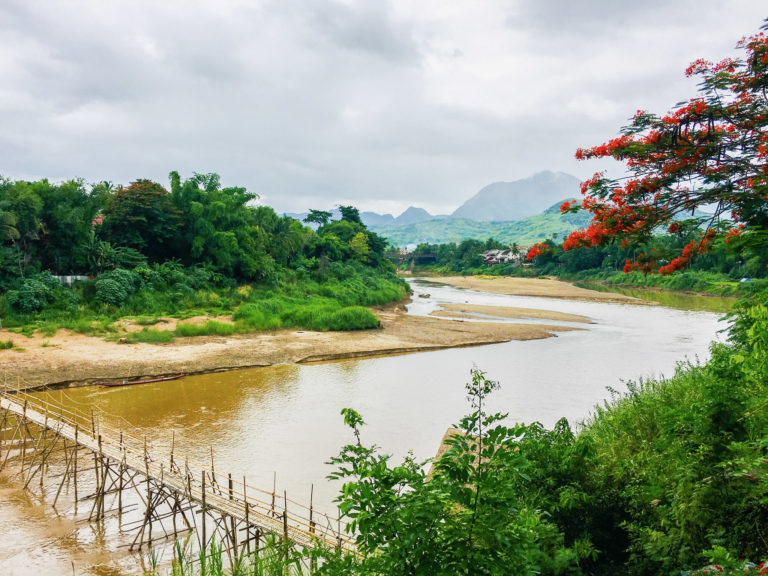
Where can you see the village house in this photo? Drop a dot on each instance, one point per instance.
(514, 255)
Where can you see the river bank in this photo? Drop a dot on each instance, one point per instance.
(71, 359)
(544, 287)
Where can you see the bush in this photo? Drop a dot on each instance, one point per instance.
(32, 295)
(352, 318)
(110, 291)
(6, 344)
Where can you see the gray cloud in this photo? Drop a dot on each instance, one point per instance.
(383, 104)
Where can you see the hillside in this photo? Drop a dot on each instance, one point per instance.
(524, 232)
(508, 201)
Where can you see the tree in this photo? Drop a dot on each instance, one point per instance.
(350, 214)
(69, 216)
(23, 206)
(8, 226)
(711, 152)
(220, 229)
(319, 217)
(478, 512)
(359, 246)
(142, 216)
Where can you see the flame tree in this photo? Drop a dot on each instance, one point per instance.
(710, 152)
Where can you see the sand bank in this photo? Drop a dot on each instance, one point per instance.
(543, 287)
(68, 358)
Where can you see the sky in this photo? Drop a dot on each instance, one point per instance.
(379, 104)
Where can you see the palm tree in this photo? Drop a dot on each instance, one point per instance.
(8, 229)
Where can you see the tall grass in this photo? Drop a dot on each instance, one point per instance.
(314, 313)
(209, 328)
(273, 559)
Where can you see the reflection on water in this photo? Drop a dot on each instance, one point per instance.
(285, 420)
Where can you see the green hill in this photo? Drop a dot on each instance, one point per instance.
(524, 232)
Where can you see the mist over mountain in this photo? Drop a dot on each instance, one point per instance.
(525, 210)
(508, 201)
(549, 223)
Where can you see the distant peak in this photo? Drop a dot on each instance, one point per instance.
(412, 215)
(414, 210)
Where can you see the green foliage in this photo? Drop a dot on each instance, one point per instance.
(142, 216)
(453, 230)
(273, 559)
(151, 336)
(182, 254)
(6, 344)
(110, 291)
(468, 517)
(671, 476)
(34, 293)
(209, 328)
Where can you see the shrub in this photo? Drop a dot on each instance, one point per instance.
(110, 291)
(6, 344)
(31, 296)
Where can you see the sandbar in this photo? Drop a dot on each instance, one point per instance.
(71, 359)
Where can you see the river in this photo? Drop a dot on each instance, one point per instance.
(283, 422)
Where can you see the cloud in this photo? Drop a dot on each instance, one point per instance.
(376, 103)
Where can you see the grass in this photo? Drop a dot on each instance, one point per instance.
(315, 313)
(319, 314)
(337, 303)
(146, 320)
(686, 281)
(209, 328)
(6, 344)
(273, 559)
(151, 336)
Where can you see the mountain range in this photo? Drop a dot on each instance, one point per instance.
(490, 212)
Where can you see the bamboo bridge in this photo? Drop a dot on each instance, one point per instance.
(157, 496)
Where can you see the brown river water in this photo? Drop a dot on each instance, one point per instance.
(281, 424)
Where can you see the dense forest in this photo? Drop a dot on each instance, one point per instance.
(199, 247)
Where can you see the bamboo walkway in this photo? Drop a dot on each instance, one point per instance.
(171, 495)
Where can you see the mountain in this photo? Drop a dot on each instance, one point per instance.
(493, 211)
(506, 201)
(371, 219)
(413, 215)
(524, 232)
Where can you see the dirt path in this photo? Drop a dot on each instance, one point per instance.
(70, 359)
(543, 287)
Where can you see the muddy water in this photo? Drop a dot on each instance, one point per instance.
(283, 422)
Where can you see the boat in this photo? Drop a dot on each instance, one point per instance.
(147, 381)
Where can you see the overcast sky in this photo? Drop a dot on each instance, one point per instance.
(314, 103)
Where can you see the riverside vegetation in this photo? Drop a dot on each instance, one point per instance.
(197, 250)
(670, 477)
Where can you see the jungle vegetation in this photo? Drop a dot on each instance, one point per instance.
(197, 249)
